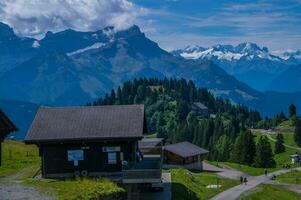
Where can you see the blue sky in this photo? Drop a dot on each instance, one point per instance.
(177, 23)
(172, 23)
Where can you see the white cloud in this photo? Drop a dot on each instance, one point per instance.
(35, 17)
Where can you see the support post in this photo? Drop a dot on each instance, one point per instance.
(0, 152)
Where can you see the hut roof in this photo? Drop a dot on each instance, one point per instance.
(185, 149)
(87, 123)
(149, 142)
(6, 124)
(200, 105)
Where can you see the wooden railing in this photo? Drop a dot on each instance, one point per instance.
(149, 170)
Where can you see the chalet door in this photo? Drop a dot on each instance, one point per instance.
(113, 158)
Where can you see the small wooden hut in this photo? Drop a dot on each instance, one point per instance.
(184, 154)
(6, 127)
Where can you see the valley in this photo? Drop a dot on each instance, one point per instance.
(84, 109)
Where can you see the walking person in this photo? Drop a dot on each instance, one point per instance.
(241, 180)
(265, 172)
(245, 180)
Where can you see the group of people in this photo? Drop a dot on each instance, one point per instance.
(287, 166)
(243, 180)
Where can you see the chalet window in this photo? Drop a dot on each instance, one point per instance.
(112, 158)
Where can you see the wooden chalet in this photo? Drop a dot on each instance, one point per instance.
(184, 155)
(200, 108)
(93, 141)
(6, 127)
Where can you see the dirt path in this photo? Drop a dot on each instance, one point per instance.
(235, 192)
(11, 188)
(16, 191)
(223, 172)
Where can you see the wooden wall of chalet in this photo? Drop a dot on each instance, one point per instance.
(55, 159)
(171, 158)
(3, 134)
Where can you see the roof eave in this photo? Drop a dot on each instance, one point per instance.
(79, 140)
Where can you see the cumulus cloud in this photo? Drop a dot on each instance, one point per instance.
(35, 17)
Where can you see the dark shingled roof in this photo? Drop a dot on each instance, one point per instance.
(185, 149)
(87, 123)
(6, 125)
(200, 105)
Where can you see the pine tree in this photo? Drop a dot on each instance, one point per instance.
(264, 154)
(244, 148)
(297, 135)
(113, 97)
(119, 96)
(168, 114)
(223, 148)
(292, 110)
(279, 147)
(183, 109)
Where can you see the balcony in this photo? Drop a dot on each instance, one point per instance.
(149, 170)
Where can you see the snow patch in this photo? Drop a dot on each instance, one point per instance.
(94, 35)
(94, 46)
(217, 92)
(35, 44)
(109, 32)
(210, 53)
(245, 95)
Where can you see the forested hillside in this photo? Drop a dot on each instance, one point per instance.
(169, 114)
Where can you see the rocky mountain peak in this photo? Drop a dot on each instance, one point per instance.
(6, 32)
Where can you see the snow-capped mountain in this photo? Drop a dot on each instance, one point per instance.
(73, 68)
(248, 62)
(227, 52)
(292, 56)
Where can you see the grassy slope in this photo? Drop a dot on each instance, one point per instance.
(285, 125)
(24, 163)
(189, 185)
(288, 139)
(17, 156)
(280, 159)
(293, 177)
(270, 192)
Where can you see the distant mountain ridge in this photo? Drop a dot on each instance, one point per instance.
(287, 81)
(247, 61)
(21, 113)
(73, 68)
